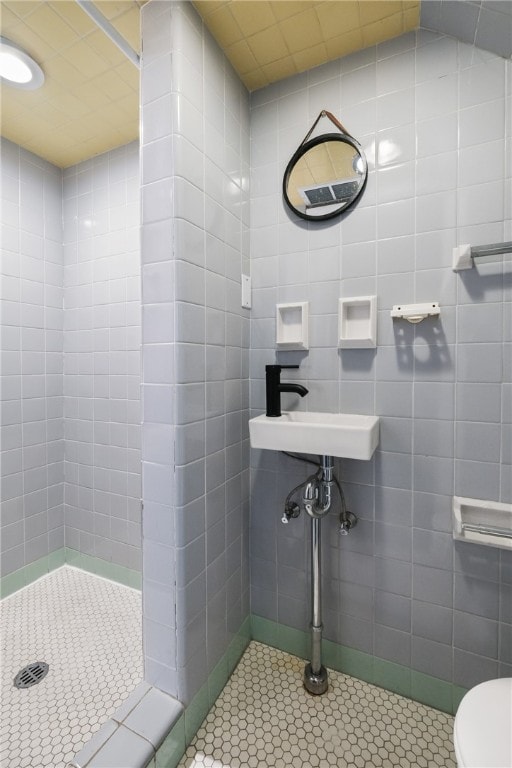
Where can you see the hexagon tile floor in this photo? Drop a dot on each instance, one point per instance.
(264, 717)
(88, 630)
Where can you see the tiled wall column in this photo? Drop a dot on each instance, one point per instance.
(433, 116)
(158, 392)
(31, 303)
(195, 169)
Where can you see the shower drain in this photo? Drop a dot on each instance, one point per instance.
(32, 674)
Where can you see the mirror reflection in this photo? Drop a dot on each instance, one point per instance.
(325, 176)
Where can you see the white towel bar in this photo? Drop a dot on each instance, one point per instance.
(463, 255)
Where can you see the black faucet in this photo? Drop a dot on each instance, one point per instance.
(275, 387)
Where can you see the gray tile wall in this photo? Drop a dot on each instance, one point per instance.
(70, 239)
(195, 208)
(433, 116)
(32, 445)
(486, 23)
(101, 214)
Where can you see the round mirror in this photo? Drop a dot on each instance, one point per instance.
(325, 176)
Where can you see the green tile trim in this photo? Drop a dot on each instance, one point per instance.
(206, 697)
(429, 690)
(196, 712)
(57, 559)
(238, 645)
(217, 679)
(12, 582)
(171, 751)
(177, 740)
(264, 630)
(33, 571)
(356, 663)
(457, 693)
(392, 676)
(386, 674)
(330, 654)
(280, 636)
(293, 639)
(112, 571)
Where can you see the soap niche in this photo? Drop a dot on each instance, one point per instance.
(357, 322)
(292, 325)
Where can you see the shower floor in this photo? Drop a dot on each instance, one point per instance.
(88, 630)
(264, 717)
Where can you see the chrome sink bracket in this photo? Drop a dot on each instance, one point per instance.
(315, 674)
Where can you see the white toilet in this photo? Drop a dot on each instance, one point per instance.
(482, 732)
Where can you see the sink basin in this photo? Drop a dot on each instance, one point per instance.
(346, 435)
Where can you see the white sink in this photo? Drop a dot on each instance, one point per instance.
(346, 435)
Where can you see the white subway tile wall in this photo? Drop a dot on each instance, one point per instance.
(195, 209)
(102, 356)
(434, 118)
(32, 432)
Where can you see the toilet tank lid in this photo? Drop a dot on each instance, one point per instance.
(483, 726)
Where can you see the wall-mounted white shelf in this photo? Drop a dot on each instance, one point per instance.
(415, 313)
(482, 522)
(292, 325)
(357, 322)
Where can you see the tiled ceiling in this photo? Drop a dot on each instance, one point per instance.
(267, 41)
(89, 102)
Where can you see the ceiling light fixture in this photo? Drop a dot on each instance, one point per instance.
(17, 68)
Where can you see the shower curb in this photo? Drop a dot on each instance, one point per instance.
(134, 733)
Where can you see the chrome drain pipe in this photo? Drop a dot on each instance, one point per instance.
(317, 502)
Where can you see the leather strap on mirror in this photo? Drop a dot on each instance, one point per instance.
(325, 113)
